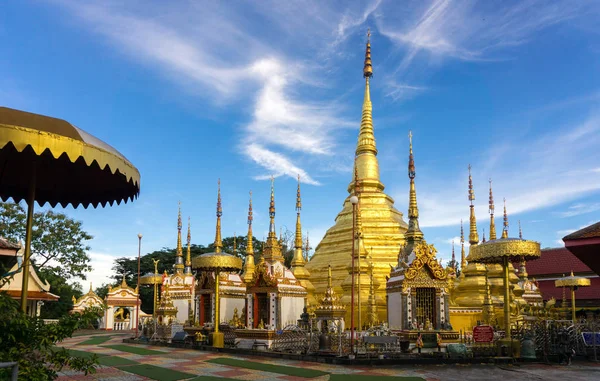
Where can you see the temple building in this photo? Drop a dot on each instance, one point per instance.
(382, 230)
(275, 298)
(121, 308)
(418, 290)
(232, 289)
(181, 282)
(38, 290)
(91, 299)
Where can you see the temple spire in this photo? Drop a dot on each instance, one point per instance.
(248, 271)
(188, 258)
(272, 246)
(234, 251)
(463, 259)
(218, 242)
(491, 210)
(453, 256)
(179, 253)
(505, 229)
(473, 236)
(298, 259)
(413, 234)
(520, 231)
(365, 160)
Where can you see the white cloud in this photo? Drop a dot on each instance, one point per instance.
(544, 177)
(402, 91)
(580, 208)
(101, 270)
(276, 163)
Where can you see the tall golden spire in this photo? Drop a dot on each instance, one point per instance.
(463, 259)
(483, 232)
(306, 248)
(248, 271)
(491, 210)
(505, 229)
(179, 253)
(473, 236)
(188, 258)
(272, 247)
(218, 242)
(453, 257)
(298, 259)
(413, 234)
(366, 151)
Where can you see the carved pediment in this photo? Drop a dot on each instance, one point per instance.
(425, 258)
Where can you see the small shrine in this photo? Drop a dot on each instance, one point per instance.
(275, 298)
(418, 287)
(181, 283)
(91, 299)
(121, 308)
(232, 290)
(11, 257)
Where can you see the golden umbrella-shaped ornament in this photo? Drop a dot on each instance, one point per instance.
(49, 160)
(153, 279)
(573, 282)
(217, 262)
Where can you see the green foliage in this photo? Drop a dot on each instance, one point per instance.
(58, 242)
(32, 343)
(60, 287)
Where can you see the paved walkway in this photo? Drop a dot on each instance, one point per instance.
(195, 363)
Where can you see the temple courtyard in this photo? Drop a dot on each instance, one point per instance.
(140, 362)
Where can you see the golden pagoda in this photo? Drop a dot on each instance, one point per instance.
(382, 225)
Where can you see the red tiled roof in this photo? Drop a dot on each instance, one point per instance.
(33, 295)
(7, 245)
(555, 261)
(592, 231)
(548, 290)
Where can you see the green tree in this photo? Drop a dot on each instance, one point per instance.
(58, 242)
(60, 287)
(31, 343)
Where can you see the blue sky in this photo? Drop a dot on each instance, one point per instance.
(193, 91)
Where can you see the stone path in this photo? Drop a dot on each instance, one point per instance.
(194, 362)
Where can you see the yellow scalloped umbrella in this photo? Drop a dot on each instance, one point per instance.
(573, 282)
(49, 160)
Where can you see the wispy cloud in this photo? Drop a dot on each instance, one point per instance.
(580, 208)
(234, 62)
(544, 177)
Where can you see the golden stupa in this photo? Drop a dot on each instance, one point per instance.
(381, 229)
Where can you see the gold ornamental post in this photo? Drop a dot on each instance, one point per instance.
(49, 160)
(573, 282)
(154, 279)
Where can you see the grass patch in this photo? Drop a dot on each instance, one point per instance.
(135, 350)
(156, 372)
(95, 340)
(115, 361)
(354, 377)
(212, 378)
(287, 370)
(82, 354)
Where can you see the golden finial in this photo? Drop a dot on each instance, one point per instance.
(188, 257)
(90, 286)
(473, 236)
(234, 244)
(329, 276)
(483, 232)
(505, 230)
(248, 271)
(463, 259)
(491, 210)
(572, 273)
(453, 256)
(179, 253)
(413, 233)
(218, 242)
(249, 248)
(272, 209)
(298, 241)
(306, 248)
(520, 231)
(156, 265)
(368, 68)
(123, 283)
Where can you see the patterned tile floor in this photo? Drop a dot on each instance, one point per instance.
(193, 362)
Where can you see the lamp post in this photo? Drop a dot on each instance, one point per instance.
(354, 201)
(137, 310)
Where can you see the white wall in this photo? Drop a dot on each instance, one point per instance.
(291, 309)
(227, 307)
(182, 309)
(394, 309)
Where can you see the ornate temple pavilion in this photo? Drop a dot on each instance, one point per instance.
(382, 227)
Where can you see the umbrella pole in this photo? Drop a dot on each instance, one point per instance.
(506, 299)
(218, 337)
(28, 231)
